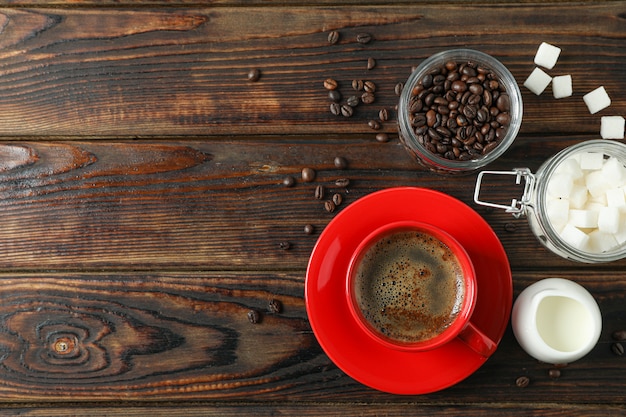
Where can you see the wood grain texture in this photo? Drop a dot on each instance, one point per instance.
(216, 204)
(159, 336)
(144, 72)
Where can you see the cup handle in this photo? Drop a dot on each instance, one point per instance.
(477, 340)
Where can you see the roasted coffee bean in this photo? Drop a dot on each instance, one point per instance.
(352, 101)
(309, 229)
(371, 63)
(274, 306)
(374, 124)
(460, 101)
(522, 381)
(368, 97)
(342, 182)
(617, 349)
(357, 85)
(619, 335)
(253, 316)
(334, 95)
(382, 137)
(254, 75)
(363, 38)
(330, 84)
(383, 115)
(333, 37)
(319, 192)
(329, 206)
(369, 86)
(554, 373)
(398, 89)
(346, 110)
(284, 245)
(308, 174)
(289, 181)
(510, 227)
(337, 199)
(335, 108)
(340, 162)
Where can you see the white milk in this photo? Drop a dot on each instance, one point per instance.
(563, 323)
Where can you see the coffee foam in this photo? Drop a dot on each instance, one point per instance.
(409, 286)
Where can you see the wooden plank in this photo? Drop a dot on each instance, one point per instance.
(215, 204)
(80, 337)
(141, 72)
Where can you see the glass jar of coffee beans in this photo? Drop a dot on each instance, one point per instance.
(459, 110)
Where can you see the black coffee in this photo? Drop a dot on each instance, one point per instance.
(409, 286)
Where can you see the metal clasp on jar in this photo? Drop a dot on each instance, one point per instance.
(517, 207)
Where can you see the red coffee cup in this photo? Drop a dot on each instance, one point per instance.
(411, 286)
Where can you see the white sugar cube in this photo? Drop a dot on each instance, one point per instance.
(614, 172)
(547, 55)
(600, 242)
(557, 211)
(615, 198)
(612, 127)
(591, 160)
(596, 184)
(608, 219)
(562, 86)
(620, 236)
(574, 236)
(585, 219)
(578, 196)
(560, 185)
(537, 81)
(571, 167)
(597, 100)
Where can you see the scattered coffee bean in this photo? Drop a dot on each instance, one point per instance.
(619, 335)
(371, 63)
(330, 84)
(398, 89)
(329, 206)
(617, 349)
(357, 85)
(334, 95)
(383, 115)
(337, 199)
(369, 86)
(510, 227)
(554, 373)
(309, 229)
(340, 162)
(254, 75)
(253, 316)
(352, 101)
(342, 182)
(319, 192)
(274, 306)
(374, 124)
(522, 381)
(363, 38)
(284, 245)
(347, 110)
(368, 97)
(382, 137)
(333, 37)
(289, 181)
(335, 108)
(459, 111)
(308, 174)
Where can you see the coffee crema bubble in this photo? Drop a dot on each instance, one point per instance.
(409, 286)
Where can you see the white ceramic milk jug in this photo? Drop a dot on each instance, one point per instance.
(556, 321)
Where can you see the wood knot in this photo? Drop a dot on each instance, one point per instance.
(64, 345)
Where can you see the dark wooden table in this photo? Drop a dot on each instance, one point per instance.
(143, 212)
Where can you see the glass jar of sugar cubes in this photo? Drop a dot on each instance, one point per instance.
(575, 202)
(458, 111)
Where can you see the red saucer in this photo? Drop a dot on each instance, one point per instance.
(386, 369)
